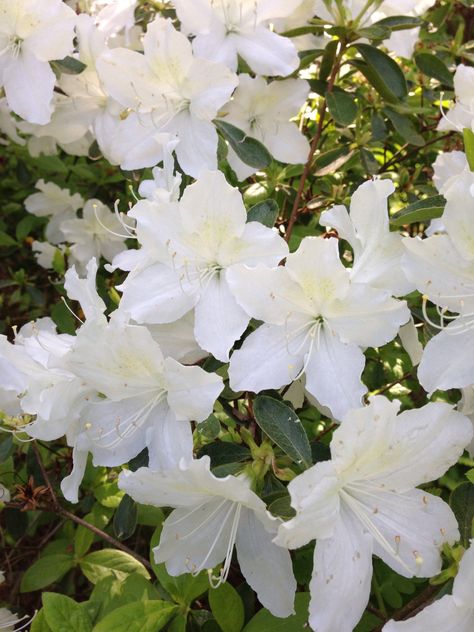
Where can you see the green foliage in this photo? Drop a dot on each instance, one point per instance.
(227, 608)
(248, 149)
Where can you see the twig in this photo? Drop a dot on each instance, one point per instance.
(314, 144)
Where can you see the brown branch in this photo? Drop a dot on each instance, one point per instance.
(314, 144)
(414, 606)
(56, 508)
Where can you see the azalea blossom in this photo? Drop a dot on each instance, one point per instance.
(377, 251)
(190, 249)
(316, 319)
(212, 515)
(461, 115)
(59, 205)
(98, 233)
(442, 267)
(174, 92)
(224, 29)
(364, 501)
(8, 620)
(450, 613)
(32, 33)
(263, 111)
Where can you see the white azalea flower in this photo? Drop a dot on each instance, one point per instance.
(172, 91)
(137, 397)
(57, 204)
(224, 29)
(8, 620)
(45, 252)
(461, 115)
(9, 125)
(98, 233)
(4, 498)
(315, 322)
(32, 33)
(451, 613)
(263, 111)
(211, 516)
(195, 243)
(363, 502)
(377, 251)
(466, 407)
(442, 267)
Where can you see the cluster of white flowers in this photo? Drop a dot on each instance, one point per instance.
(201, 272)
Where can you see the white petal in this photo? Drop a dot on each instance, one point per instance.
(314, 496)
(410, 528)
(196, 539)
(70, 484)
(29, 85)
(333, 373)
(168, 441)
(268, 53)
(260, 245)
(197, 148)
(84, 290)
(447, 358)
(441, 616)
(340, 585)
(266, 566)
(191, 390)
(367, 316)
(464, 580)
(287, 143)
(219, 319)
(158, 294)
(410, 341)
(269, 358)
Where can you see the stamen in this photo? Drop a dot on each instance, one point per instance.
(106, 228)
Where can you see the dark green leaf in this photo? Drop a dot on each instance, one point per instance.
(283, 427)
(434, 67)
(405, 126)
(45, 571)
(63, 318)
(68, 65)
(248, 149)
(125, 518)
(227, 608)
(327, 60)
(374, 32)
(6, 447)
(209, 428)
(461, 502)
(223, 452)
(282, 507)
(265, 212)
(139, 616)
(264, 621)
(382, 72)
(342, 107)
(399, 22)
(369, 161)
(24, 226)
(421, 211)
(6, 240)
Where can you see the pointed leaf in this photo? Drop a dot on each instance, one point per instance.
(461, 502)
(63, 614)
(283, 427)
(420, 211)
(139, 616)
(227, 608)
(434, 67)
(341, 106)
(45, 571)
(248, 149)
(265, 212)
(382, 72)
(125, 518)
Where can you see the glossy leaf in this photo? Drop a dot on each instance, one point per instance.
(227, 608)
(248, 149)
(421, 211)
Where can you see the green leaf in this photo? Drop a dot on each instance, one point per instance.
(227, 608)
(111, 593)
(282, 507)
(209, 428)
(39, 623)
(405, 126)
(6, 240)
(468, 136)
(420, 211)
(68, 65)
(327, 60)
(264, 621)
(125, 518)
(265, 212)
(374, 32)
(461, 502)
(63, 318)
(434, 67)
(24, 226)
(382, 72)
(6, 447)
(283, 427)
(223, 452)
(45, 571)
(248, 149)
(99, 517)
(63, 614)
(341, 106)
(99, 564)
(399, 22)
(139, 616)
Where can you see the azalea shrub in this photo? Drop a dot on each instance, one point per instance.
(237, 315)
